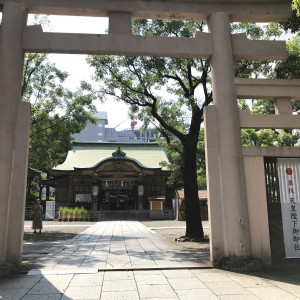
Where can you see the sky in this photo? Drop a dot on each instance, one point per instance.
(78, 69)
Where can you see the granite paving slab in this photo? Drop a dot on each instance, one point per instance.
(148, 275)
(112, 245)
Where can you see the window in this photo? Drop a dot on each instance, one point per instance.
(83, 189)
(153, 190)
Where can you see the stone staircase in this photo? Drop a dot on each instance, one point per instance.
(125, 215)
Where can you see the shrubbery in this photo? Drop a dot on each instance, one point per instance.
(69, 214)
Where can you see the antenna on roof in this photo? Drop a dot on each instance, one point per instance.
(121, 123)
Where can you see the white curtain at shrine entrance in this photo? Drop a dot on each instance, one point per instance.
(289, 185)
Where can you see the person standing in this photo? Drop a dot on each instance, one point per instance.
(37, 222)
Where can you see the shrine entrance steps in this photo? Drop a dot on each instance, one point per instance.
(129, 215)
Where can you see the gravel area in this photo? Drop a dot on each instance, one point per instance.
(169, 229)
(172, 230)
(55, 231)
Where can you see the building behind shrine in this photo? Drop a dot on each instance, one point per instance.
(100, 132)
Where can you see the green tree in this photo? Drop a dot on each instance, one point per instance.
(286, 69)
(144, 82)
(141, 81)
(243, 68)
(296, 6)
(175, 180)
(56, 112)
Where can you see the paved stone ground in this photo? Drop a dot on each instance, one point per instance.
(161, 283)
(205, 284)
(111, 245)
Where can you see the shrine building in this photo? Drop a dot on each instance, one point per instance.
(113, 176)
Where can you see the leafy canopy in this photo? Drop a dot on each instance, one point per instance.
(56, 112)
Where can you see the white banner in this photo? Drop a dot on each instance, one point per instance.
(50, 210)
(289, 184)
(83, 198)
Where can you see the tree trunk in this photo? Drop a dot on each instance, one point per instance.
(47, 192)
(47, 189)
(40, 191)
(194, 227)
(29, 183)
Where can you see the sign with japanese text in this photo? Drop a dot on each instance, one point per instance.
(289, 185)
(50, 210)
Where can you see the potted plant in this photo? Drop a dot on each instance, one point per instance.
(84, 214)
(60, 213)
(80, 214)
(76, 213)
(70, 215)
(65, 213)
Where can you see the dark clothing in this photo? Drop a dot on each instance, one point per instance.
(37, 222)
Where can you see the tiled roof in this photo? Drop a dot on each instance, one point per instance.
(87, 155)
(201, 194)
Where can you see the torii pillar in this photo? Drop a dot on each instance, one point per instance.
(14, 134)
(229, 214)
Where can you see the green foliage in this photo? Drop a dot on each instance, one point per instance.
(65, 212)
(141, 81)
(292, 24)
(50, 199)
(76, 212)
(252, 68)
(56, 112)
(263, 107)
(170, 94)
(286, 138)
(287, 69)
(176, 162)
(296, 6)
(82, 211)
(60, 212)
(167, 93)
(201, 165)
(290, 67)
(31, 198)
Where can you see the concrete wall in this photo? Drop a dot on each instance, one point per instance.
(257, 207)
(256, 195)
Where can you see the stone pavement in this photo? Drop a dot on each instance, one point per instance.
(111, 246)
(148, 275)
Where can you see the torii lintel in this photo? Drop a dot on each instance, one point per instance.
(198, 10)
(35, 40)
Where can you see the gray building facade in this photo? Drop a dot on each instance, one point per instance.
(99, 133)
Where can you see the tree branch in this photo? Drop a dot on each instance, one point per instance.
(160, 119)
(179, 80)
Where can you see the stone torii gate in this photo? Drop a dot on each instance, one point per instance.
(218, 45)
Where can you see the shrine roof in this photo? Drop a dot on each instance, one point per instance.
(89, 155)
(202, 194)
